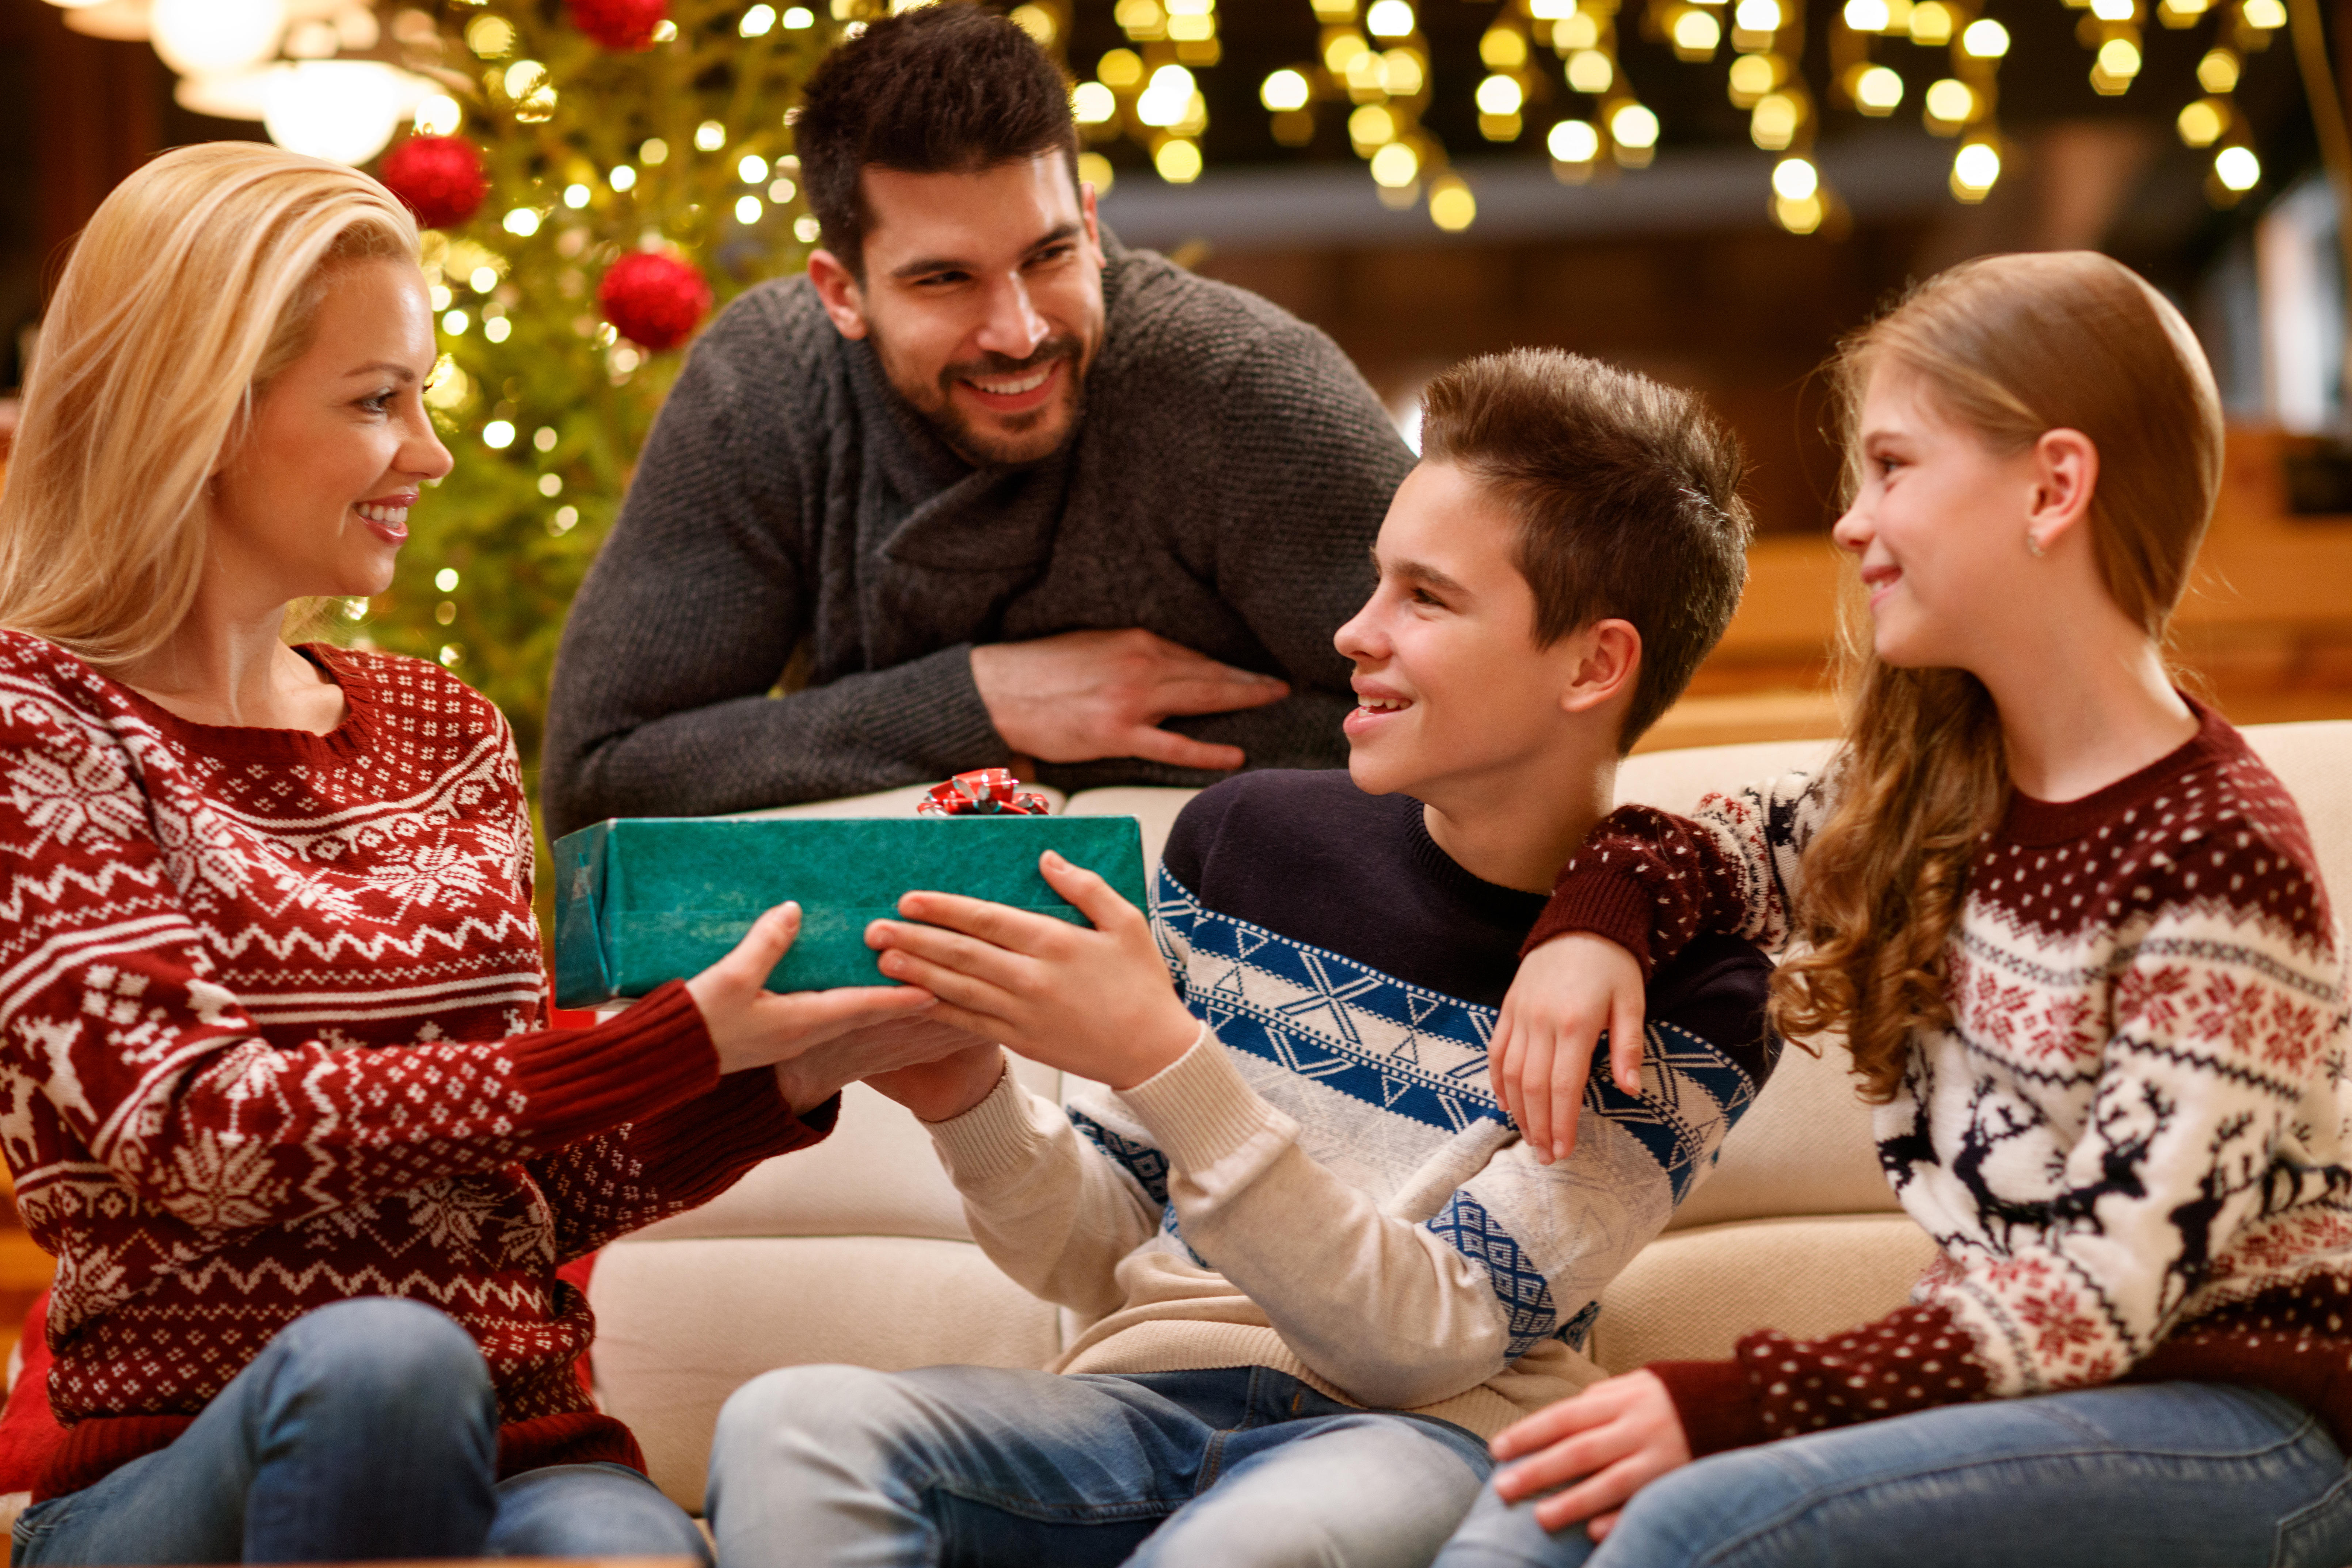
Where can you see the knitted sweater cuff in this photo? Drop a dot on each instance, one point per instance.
(994, 1138)
(580, 1082)
(1608, 901)
(1715, 1401)
(929, 710)
(1201, 1110)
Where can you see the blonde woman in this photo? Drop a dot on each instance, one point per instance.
(2075, 937)
(268, 1079)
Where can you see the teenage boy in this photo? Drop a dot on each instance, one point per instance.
(981, 487)
(1318, 1266)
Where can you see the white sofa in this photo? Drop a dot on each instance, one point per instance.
(857, 1250)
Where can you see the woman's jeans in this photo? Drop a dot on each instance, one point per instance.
(2155, 1475)
(366, 1429)
(982, 1467)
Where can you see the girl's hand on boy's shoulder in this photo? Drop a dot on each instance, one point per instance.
(1598, 1448)
(1093, 1001)
(1567, 994)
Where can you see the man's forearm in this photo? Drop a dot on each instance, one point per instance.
(1302, 731)
(915, 724)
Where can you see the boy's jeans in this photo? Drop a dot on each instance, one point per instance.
(976, 1466)
(2156, 1475)
(365, 1429)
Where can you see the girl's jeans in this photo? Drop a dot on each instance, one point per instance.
(365, 1429)
(2157, 1475)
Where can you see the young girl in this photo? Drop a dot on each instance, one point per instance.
(2076, 936)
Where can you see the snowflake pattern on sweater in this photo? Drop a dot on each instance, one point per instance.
(2133, 1142)
(264, 1003)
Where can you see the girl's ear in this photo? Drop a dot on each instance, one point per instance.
(2066, 475)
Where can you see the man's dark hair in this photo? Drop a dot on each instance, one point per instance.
(1627, 498)
(944, 88)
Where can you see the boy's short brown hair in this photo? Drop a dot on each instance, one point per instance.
(939, 89)
(1627, 497)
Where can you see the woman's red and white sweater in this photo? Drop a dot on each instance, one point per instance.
(2134, 1140)
(265, 1012)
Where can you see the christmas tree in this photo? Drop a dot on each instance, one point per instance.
(597, 177)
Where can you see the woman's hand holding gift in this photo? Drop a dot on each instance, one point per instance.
(1098, 1002)
(1566, 993)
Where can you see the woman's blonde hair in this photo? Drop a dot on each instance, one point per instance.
(2011, 347)
(198, 279)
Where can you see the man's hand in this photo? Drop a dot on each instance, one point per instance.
(1613, 1439)
(1566, 992)
(878, 1051)
(1096, 1002)
(1086, 695)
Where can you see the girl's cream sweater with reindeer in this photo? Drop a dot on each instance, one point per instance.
(2133, 1140)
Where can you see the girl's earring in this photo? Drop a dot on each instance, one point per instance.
(2032, 545)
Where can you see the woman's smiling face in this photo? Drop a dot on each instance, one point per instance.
(314, 500)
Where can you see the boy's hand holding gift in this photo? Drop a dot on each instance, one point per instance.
(1099, 1002)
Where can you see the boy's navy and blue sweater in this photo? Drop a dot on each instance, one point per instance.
(1325, 1183)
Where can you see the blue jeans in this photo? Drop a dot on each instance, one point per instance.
(2194, 1474)
(365, 1429)
(976, 1466)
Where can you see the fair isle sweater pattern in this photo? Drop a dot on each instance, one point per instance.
(1388, 1082)
(265, 1009)
(2133, 1142)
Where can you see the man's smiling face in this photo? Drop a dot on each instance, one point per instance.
(983, 296)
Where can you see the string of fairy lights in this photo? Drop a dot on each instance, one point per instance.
(1372, 62)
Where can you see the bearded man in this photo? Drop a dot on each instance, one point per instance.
(983, 488)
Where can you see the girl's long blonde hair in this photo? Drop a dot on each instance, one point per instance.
(198, 279)
(2010, 346)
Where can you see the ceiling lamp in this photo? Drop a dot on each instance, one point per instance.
(343, 111)
(214, 37)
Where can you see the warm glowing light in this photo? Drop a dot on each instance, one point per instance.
(1952, 101)
(1499, 95)
(1092, 103)
(1402, 75)
(808, 231)
(1574, 141)
(522, 223)
(1396, 165)
(752, 170)
(498, 436)
(1452, 208)
(799, 18)
(1178, 160)
(2267, 15)
(748, 210)
(2201, 123)
(1633, 126)
(2237, 168)
(2119, 58)
(343, 111)
(1590, 70)
(2218, 71)
(1797, 215)
(1120, 68)
(1758, 16)
(2115, 10)
(621, 178)
(1165, 99)
(1696, 35)
(1285, 90)
(482, 279)
(456, 323)
(215, 37)
(1931, 24)
(446, 580)
(551, 485)
(1503, 48)
(1984, 39)
(1753, 76)
(1773, 124)
(1975, 167)
(1795, 178)
(544, 438)
(710, 136)
(438, 115)
(1370, 126)
(1866, 16)
(1389, 19)
(1577, 30)
(1878, 91)
(651, 150)
(757, 22)
(489, 37)
(1094, 169)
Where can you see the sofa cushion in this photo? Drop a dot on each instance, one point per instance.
(682, 1323)
(1691, 1295)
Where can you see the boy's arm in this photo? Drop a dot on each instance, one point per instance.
(1402, 1312)
(1041, 1200)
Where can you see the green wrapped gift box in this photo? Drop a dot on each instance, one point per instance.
(641, 900)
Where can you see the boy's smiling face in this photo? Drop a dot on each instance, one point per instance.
(1456, 701)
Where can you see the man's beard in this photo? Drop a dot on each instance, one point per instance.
(1016, 439)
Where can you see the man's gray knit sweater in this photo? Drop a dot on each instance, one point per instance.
(1223, 490)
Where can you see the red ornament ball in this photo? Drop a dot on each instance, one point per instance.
(653, 298)
(439, 178)
(619, 24)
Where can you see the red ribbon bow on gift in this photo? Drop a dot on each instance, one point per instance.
(983, 791)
